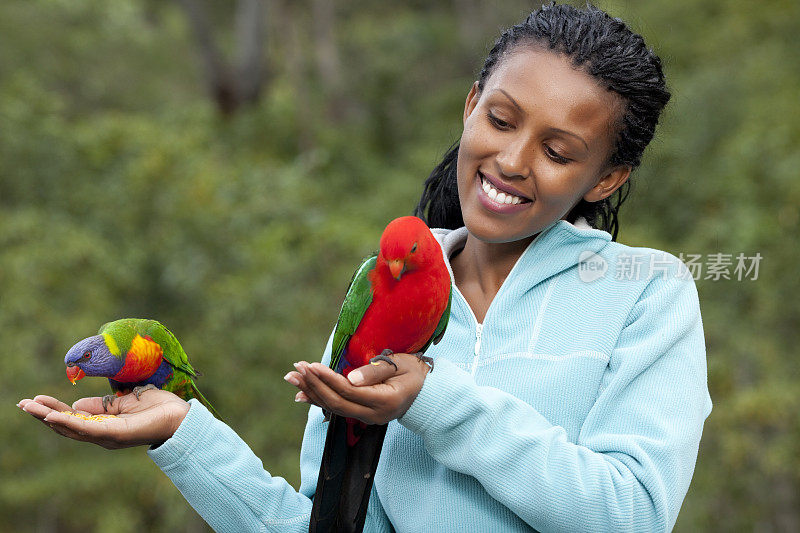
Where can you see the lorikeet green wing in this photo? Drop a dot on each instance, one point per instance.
(135, 354)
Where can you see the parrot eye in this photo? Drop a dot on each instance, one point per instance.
(87, 355)
(414, 248)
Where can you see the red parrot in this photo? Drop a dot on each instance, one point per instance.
(398, 302)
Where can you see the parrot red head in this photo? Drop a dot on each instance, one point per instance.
(407, 244)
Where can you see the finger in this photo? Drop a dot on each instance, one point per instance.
(333, 401)
(97, 429)
(94, 405)
(65, 432)
(293, 378)
(373, 396)
(306, 391)
(35, 409)
(371, 374)
(40, 411)
(52, 403)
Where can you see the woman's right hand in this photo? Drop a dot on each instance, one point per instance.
(150, 420)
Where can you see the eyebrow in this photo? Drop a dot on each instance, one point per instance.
(559, 130)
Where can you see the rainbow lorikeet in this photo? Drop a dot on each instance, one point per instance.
(135, 355)
(398, 302)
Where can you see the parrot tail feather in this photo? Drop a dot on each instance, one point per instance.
(202, 399)
(346, 475)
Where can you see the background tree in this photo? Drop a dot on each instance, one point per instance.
(126, 189)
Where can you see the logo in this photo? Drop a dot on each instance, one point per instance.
(591, 266)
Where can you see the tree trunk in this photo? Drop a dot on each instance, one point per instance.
(231, 86)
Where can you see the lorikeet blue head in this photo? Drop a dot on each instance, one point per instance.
(92, 357)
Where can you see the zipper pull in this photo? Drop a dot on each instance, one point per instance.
(478, 338)
(478, 331)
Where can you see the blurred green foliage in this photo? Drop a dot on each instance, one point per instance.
(124, 193)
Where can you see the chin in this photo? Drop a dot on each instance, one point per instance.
(495, 230)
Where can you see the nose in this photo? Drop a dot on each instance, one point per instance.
(514, 159)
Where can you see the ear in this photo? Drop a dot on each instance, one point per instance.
(472, 100)
(610, 182)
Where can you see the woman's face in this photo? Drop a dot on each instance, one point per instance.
(535, 141)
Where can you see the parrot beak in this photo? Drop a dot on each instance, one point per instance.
(74, 373)
(397, 267)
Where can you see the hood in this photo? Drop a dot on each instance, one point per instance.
(558, 247)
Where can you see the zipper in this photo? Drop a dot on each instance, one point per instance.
(478, 325)
(478, 332)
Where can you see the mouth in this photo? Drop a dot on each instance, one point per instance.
(499, 197)
(74, 373)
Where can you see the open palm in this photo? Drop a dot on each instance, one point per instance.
(150, 420)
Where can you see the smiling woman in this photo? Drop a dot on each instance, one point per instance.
(539, 131)
(559, 402)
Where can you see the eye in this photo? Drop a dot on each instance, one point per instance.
(552, 154)
(498, 122)
(87, 355)
(414, 248)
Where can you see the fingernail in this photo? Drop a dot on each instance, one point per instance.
(291, 379)
(299, 397)
(300, 368)
(356, 377)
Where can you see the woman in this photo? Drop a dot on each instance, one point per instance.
(570, 387)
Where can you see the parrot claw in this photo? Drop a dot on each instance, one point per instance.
(108, 399)
(384, 356)
(425, 359)
(139, 390)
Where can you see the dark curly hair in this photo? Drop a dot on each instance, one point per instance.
(603, 47)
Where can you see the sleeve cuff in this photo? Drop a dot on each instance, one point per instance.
(195, 425)
(438, 391)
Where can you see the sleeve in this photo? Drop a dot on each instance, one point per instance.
(631, 465)
(226, 483)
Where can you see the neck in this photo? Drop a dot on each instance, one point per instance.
(486, 265)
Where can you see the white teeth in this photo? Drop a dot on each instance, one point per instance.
(497, 196)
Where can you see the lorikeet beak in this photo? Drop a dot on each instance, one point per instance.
(74, 373)
(397, 267)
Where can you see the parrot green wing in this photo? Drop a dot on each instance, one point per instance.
(172, 349)
(123, 332)
(438, 333)
(356, 302)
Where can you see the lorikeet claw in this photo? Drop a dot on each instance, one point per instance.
(108, 399)
(425, 359)
(139, 390)
(384, 356)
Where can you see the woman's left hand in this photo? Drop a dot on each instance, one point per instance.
(374, 393)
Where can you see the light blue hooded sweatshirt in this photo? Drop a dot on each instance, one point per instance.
(577, 405)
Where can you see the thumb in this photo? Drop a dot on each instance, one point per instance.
(371, 374)
(94, 406)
